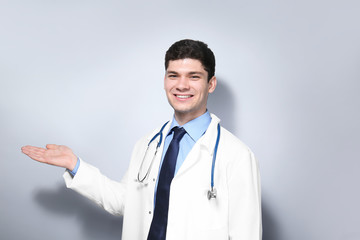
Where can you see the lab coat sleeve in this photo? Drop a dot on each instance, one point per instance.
(91, 183)
(244, 198)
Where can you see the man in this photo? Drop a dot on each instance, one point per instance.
(166, 192)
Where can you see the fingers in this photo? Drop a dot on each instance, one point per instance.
(35, 153)
(26, 149)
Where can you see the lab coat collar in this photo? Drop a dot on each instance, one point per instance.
(164, 132)
(209, 138)
(204, 146)
(194, 128)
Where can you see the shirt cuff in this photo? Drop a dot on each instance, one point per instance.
(74, 171)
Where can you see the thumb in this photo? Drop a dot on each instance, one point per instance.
(51, 146)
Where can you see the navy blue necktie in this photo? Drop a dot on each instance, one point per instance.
(159, 221)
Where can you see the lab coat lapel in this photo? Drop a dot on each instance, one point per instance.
(157, 160)
(203, 148)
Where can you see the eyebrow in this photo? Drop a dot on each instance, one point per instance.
(201, 73)
(171, 72)
(191, 73)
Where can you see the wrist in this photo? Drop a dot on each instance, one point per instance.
(74, 171)
(73, 159)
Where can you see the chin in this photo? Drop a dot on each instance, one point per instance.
(182, 111)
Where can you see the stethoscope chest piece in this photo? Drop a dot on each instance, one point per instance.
(212, 193)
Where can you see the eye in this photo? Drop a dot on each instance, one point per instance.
(171, 76)
(194, 77)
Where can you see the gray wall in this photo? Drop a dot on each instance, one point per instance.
(85, 73)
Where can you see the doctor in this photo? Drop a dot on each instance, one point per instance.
(165, 193)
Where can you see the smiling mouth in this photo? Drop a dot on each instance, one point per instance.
(183, 96)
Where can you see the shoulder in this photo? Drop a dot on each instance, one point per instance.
(229, 145)
(235, 158)
(232, 143)
(233, 151)
(155, 133)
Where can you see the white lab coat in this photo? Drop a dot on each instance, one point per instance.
(234, 214)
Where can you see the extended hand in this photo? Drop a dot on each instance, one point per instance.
(57, 155)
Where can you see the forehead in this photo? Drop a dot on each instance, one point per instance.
(185, 65)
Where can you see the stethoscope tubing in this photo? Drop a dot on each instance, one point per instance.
(212, 192)
(158, 134)
(214, 156)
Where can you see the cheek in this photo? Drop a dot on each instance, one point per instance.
(167, 85)
(168, 89)
(203, 88)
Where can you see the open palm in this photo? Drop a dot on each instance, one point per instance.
(53, 154)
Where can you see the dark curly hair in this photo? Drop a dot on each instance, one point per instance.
(188, 48)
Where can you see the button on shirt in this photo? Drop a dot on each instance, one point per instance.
(194, 130)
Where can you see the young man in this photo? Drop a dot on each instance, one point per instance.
(190, 179)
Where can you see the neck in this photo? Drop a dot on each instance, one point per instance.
(183, 118)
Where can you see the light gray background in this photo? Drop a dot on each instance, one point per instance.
(89, 74)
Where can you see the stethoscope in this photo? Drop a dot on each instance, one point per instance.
(211, 193)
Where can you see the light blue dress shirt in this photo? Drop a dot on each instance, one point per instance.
(194, 130)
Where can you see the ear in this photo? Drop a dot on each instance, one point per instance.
(212, 84)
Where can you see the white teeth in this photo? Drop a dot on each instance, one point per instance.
(183, 96)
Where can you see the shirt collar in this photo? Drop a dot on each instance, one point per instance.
(196, 127)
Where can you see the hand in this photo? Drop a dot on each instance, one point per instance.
(57, 155)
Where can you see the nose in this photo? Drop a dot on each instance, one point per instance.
(183, 84)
